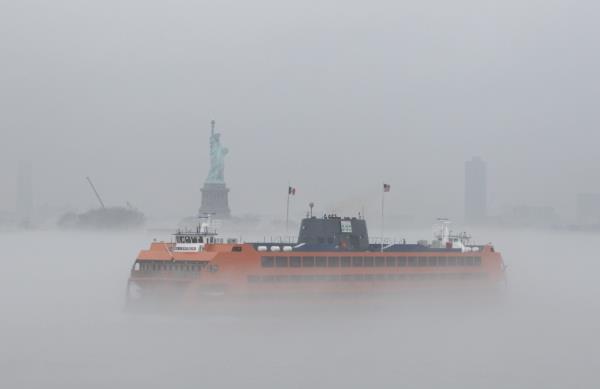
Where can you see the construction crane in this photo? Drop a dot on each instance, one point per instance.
(96, 192)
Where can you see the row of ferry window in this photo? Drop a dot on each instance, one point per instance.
(369, 261)
(168, 266)
(365, 277)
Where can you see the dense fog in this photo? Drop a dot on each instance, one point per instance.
(63, 325)
(331, 96)
(332, 99)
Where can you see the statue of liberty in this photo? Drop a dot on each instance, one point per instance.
(216, 174)
(215, 199)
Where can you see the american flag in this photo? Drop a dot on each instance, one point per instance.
(386, 187)
(291, 191)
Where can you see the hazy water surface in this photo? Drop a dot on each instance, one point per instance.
(63, 325)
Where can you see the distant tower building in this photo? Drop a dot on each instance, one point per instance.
(24, 193)
(588, 208)
(475, 191)
(215, 192)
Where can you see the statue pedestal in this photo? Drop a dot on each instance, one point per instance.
(215, 200)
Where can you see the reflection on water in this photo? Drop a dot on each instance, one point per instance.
(63, 325)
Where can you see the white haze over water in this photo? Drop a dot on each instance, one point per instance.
(333, 98)
(63, 326)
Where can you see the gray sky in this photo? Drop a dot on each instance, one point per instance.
(334, 96)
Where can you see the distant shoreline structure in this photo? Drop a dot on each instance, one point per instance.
(103, 219)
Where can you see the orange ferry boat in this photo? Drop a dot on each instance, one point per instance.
(332, 256)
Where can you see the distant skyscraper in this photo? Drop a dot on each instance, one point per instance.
(588, 208)
(24, 193)
(475, 191)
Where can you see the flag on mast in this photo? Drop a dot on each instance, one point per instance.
(386, 188)
(291, 192)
